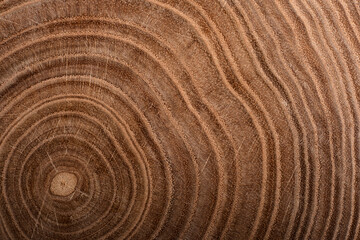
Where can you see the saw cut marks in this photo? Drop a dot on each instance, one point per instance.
(166, 119)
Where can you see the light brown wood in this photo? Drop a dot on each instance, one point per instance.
(63, 184)
(168, 119)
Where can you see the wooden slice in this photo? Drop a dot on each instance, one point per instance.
(191, 119)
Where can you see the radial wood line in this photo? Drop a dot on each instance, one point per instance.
(168, 119)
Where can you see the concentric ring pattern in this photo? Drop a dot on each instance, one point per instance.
(166, 119)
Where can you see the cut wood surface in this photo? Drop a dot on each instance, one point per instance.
(191, 119)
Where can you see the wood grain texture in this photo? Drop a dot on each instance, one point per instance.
(167, 119)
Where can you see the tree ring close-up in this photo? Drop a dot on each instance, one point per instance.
(168, 119)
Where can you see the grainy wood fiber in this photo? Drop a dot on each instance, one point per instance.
(168, 119)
